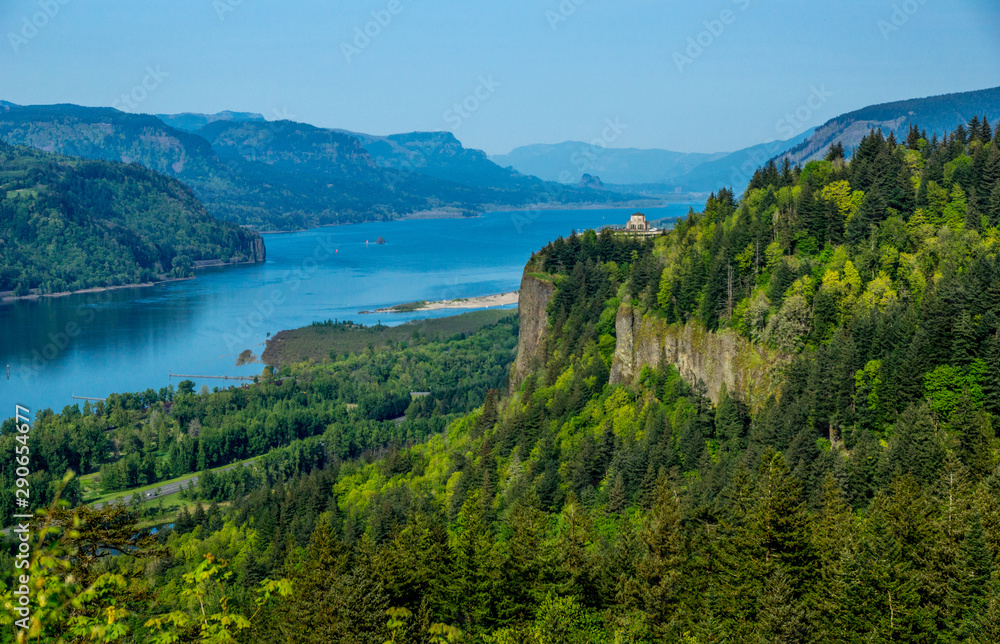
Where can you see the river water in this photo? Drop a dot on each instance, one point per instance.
(92, 344)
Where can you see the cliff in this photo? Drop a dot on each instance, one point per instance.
(532, 310)
(750, 371)
(256, 252)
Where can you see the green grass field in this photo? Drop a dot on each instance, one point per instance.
(317, 341)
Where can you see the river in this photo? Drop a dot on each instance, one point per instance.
(92, 344)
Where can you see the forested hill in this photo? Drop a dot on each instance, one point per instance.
(857, 501)
(936, 114)
(70, 224)
(283, 175)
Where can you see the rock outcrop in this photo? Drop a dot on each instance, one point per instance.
(533, 324)
(749, 370)
(258, 253)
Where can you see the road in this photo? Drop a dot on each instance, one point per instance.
(173, 488)
(165, 490)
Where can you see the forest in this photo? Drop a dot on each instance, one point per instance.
(857, 503)
(69, 224)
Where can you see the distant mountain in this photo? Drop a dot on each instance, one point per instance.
(936, 114)
(442, 156)
(435, 164)
(647, 171)
(735, 169)
(282, 175)
(567, 162)
(70, 224)
(191, 121)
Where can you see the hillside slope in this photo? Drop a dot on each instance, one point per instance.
(938, 115)
(566, 162)
(284, 175)
(774, 423)
(70, 224)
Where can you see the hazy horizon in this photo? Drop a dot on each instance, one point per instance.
(699, 77)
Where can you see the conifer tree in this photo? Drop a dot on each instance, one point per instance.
(659, 572)
(917, 448)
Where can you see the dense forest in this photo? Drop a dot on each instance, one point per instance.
(68, 224)
(857, 503)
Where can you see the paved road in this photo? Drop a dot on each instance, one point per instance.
(173, 488)
(165, 490)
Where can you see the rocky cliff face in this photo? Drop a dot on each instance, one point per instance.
(749, 370)
(532, 310)
(258, 253)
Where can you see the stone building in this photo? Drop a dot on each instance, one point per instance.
(637, 226)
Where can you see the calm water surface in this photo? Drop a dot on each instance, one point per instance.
(131, 339)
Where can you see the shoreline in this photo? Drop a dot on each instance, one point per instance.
(615, 205)
(447, 213)
(93, 289)
(478, 302)
(6, 299)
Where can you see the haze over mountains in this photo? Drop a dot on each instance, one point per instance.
(283, 175)
(669, 171)
(936, 114)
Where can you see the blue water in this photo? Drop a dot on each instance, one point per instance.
(131, 339)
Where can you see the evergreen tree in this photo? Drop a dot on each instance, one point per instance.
(917, 448)
(659, 573)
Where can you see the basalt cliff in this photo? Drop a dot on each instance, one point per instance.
(750, 371)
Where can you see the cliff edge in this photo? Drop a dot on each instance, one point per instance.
(750, 370)
(532, 311)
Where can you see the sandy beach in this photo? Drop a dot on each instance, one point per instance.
(483, 301)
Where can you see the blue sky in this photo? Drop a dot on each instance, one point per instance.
(520, 72)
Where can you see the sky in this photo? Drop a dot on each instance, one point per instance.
(685, 75)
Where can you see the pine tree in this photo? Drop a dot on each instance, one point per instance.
(977, 568)
(992, 211)
(974, 128)
(730, 426)
(985, 130)
(879, 590)
(659, 573)
(524, 565)
(917, 448)
(991, 388)
(975, 432)
(965, 344)
(475, 574)
(617, 497)
(780, 522)
(310, 613)
(833, 540)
